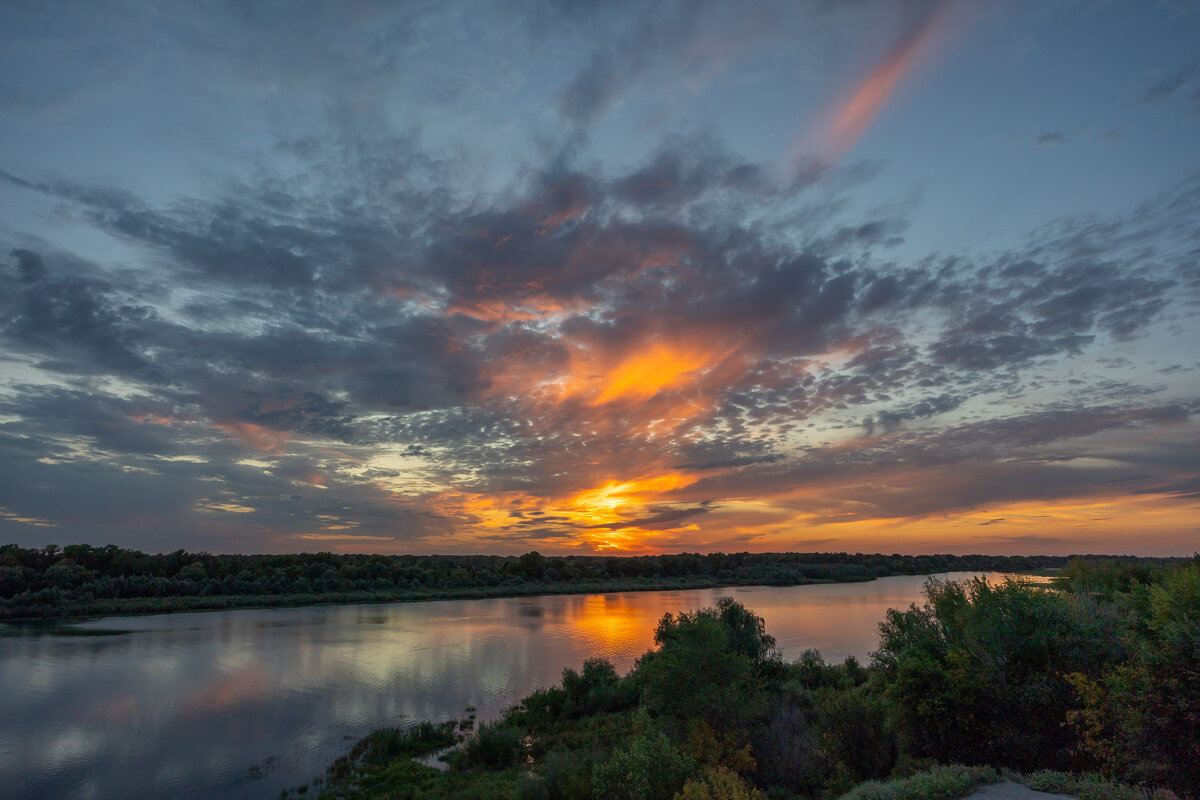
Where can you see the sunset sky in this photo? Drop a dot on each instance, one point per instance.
(488, 277)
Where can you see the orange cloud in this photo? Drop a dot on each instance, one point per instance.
(338, 537)
(659, 366)
(554, 220)
(654, 366)
(611, 515)
(505, 311)
(601, 501)
(840, 125)
(256, 437)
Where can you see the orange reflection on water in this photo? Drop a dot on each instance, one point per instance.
(228, 690)
(611, 622)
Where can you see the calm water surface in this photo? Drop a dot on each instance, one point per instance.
(236, 704)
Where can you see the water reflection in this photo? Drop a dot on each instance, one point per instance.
(244, 703)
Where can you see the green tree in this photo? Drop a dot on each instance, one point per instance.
(647, 768)
(702, 667)
(532, 565)
(978, 675)
(1142, 719)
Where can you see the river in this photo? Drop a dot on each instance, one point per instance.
(244, 703)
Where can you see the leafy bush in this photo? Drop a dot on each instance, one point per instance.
(495, 745)
(708, 665)
(719, 783)
(567, 775)
(648, 768)
(1140, 718)
(1092, 787)
(598, 688)
(788, 751)
(937, 783)
(978, 674)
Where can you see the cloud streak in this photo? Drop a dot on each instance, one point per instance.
(838, 127)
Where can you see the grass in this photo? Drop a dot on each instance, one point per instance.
(936, 783)
(381, 753)
(1090, 786)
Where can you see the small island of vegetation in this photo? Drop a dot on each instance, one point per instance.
(1089, 687)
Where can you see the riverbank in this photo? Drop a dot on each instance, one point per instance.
(1053, 684)
(80, 581)
(171, 605)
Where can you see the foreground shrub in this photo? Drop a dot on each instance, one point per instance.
(598, 688)
(567, 775)
(495, 745)
(709, 665)
(957, 668)
(720, 783)
(1140, 720)
(1092, 787)
(649, 768)
(937, 783)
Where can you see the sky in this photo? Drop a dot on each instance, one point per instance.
(491, 277)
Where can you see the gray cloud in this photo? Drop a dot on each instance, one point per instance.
(305, 319)
(1168, 86)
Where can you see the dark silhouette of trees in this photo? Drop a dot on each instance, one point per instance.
(80, 579)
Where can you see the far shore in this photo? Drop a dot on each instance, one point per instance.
(179, 605)
(125, 607)
(78, 582)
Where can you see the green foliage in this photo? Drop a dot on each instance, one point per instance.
(1012, 675)
(647, 768)
(1141, 719)
(711, 749)
(532, 565)
(384, 744)
(978, 673)
(937, 783)
(566, 775)
(828, 728)
(495, 745)
(1092, 787)
(405, 779)
(709, 665)
(1108, 577)
(855, 732)
(719, 783)
(79, 579)
(598, 688)
(746, 632)
(382, 751)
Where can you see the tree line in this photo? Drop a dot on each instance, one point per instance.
(80, 579)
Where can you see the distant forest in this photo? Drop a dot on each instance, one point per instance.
(81, 580)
